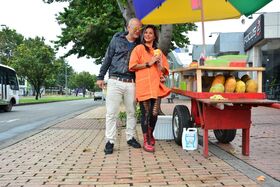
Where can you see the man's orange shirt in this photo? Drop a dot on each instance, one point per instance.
(148, 83)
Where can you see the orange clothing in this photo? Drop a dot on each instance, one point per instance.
(147, 81)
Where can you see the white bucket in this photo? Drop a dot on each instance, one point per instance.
(189, 139)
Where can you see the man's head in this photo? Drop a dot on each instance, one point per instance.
(134, 28)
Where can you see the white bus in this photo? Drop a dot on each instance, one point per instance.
(9, 89)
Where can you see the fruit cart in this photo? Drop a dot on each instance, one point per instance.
(223, 116)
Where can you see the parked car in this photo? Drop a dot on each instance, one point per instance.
(98, 95)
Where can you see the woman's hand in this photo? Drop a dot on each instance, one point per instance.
(162, 79)
(155, 59)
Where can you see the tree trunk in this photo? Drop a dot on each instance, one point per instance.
(165, 38)
(37, 89)
(130, 13)
(37, 93)
(126, 10)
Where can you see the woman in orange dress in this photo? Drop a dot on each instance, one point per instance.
(150, 67)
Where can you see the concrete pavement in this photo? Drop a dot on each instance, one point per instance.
(70, 153)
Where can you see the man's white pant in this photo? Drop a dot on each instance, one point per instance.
(116, 92)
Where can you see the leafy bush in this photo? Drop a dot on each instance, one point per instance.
(122, 115)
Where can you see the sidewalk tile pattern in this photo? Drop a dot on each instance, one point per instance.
(264, 141)
(71, 154)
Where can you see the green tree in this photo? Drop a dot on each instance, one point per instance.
(9, 40)
(83, 81)
(90, 25)
(33, 59)
(62, 72)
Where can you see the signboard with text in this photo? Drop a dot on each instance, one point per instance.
(254, 33)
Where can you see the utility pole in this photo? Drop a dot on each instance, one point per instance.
(66, 84)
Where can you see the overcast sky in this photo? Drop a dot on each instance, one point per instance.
(34, 18)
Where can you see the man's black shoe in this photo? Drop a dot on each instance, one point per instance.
(109, 148)
(132, 142)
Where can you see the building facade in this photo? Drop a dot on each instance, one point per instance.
(262, 45)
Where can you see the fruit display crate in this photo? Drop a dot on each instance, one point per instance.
(198, 71)
(224, 116)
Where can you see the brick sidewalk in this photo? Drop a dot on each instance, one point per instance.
(71, 153)
(264, 136)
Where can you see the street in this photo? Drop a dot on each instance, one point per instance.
(25, 120)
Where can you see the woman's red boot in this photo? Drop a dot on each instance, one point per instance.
(152, 138)
(146, 146)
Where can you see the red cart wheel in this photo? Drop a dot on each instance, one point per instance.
(225, 136)
(181, 119)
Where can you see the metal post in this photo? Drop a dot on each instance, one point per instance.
(203, 31)
(66, 85)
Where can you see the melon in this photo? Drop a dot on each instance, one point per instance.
(240, 87)
(217, 88)
(230, 84)
(245, 78)
(251, 86)
(193, 64)
(157, 52)
(219, 79)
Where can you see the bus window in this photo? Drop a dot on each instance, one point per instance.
(12, 80)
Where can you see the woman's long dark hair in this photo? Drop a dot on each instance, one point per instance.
(155, 43)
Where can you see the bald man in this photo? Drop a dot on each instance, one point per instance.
(121, 84)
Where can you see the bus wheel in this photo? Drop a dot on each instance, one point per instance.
(8, 108)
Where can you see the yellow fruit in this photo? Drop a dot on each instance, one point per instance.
(245, 78)
(193, 64)
(217, 88)
(219, 79)
(217, 97)
(230, 85)
(157, 52)
(251, 86)
(240, 87)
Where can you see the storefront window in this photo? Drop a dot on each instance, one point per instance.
(271, 62)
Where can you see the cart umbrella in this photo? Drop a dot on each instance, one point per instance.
(188, 11)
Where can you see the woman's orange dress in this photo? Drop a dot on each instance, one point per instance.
(148, 85)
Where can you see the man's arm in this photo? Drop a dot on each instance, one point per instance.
(107, 60)
(106, 63)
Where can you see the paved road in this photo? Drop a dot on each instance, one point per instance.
(26, 120)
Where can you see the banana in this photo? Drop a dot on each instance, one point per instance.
(217, 97)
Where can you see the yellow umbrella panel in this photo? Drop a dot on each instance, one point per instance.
(181, 11)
